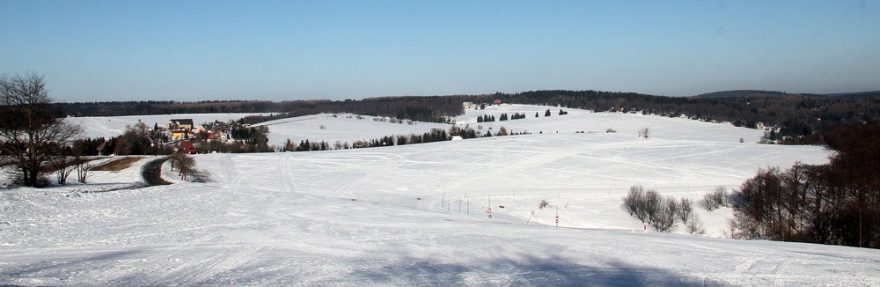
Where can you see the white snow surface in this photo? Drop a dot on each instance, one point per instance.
(107, 127)
(588, 121)
(342, 128)
(416, 215)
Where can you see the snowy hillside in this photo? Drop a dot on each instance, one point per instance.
(588, 121)
(342, 128)
(417, 215)
(350, 128)
(107, 127)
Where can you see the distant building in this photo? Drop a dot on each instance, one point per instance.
(218, 135)
(187, 147)
(469, 105)
(180, 123)
(181, 129)
(498, 102)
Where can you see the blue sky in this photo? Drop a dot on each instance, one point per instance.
(285, 50)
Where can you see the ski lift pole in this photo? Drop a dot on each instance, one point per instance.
(489, 205)
(557, 215)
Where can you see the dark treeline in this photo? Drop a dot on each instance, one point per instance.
(432, 109)
(434, 135)
(836, 203)
(106, 109)
(800, 118)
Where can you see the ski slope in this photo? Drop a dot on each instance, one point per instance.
(107, 127)
(417, 215)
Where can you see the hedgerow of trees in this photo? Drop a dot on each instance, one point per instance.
(835, 203)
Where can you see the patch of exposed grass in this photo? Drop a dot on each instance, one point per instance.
(118, 164)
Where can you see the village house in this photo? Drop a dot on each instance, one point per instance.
(181, 129)
(215, 131)
(187, 147)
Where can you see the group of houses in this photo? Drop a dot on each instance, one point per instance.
(186, 135)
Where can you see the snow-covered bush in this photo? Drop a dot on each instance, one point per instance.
(694, 225)
(685, 209)
(651, 208)
(543, 204)
(634, 202)
(715, 199)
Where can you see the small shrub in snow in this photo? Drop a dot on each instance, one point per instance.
(651, 208)
(694, 225)
(63, 166)
(715, 199)
(543, 204)
(82, 171)
(685, 209)
(653, 204)
(634, 202)
(671, 205)
(643, 133)
(662, 218)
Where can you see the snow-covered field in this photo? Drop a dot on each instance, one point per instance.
(107, 127)
(588, 121)
(417, 215)
(341, 127)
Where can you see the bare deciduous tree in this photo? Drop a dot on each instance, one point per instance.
(716, 199)
(184, 163)
(30, 133)
(63, 166)
(82, 170)
(643, 132)
(694, 225)
(685, 209)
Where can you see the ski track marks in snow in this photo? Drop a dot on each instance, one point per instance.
(389, 216)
